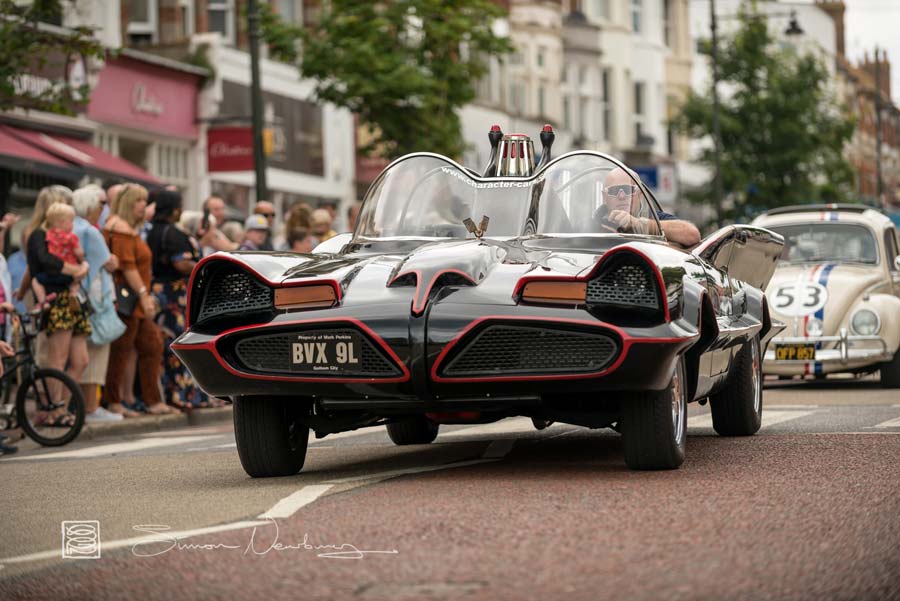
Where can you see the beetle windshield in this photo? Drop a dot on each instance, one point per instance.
(429, 196)
(827, 241)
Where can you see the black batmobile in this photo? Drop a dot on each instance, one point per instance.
(467, 298)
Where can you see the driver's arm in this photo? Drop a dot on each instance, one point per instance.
(678, 231)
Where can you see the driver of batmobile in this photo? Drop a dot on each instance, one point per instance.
(622, 199)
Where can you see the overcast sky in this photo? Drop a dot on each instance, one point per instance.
(870, 23)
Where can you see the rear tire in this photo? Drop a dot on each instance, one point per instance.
(737, 408)
(271, 438)
(37, 388)
(890, 372)
(654, 425)
(414, 430)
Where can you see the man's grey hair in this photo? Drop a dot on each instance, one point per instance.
(190, 221)
(87, 199)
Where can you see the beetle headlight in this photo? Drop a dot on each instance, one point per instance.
(865, 322)
(814, 327)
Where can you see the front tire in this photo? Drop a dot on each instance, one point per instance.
(737, 408)
(271, 439)
(890, 372)
(414, 430)
(654, 425)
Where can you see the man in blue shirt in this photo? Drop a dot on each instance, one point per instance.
(623, 201)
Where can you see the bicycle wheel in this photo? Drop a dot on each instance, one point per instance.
(34, 404)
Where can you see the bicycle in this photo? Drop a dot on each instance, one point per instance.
(34, 409)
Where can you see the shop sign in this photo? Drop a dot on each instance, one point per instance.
(229, 149)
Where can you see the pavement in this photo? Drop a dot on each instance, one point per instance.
(809, 508)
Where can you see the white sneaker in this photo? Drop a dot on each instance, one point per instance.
(103, 415)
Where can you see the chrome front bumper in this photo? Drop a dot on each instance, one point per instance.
(843, 354)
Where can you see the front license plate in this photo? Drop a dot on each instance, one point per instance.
(326, 352)
(801, 351)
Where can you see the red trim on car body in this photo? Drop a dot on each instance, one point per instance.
(243, 264)
(626, 339)
(517, 291)
(210, 346)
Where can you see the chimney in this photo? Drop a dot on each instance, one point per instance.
(835, 9)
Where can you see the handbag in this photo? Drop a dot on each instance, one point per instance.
(126, 300)
(106, 327)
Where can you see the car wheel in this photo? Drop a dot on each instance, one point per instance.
(654, 425)
(271, 440)
(890, 372)
(414, 430)
(737, 408)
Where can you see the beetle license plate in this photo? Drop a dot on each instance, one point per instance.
(332, 352)
(800, 351)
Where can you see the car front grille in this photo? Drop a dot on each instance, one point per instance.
(272, 354)
(500, 350)
(628, 284)
(230, 290)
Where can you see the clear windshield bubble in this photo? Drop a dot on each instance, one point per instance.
(430, 196)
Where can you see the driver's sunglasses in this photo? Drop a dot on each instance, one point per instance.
(626, 189)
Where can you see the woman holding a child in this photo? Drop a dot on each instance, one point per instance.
(54, 272)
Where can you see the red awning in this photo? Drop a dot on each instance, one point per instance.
(20, 156)
(84, 154)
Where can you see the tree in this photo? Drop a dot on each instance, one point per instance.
(783, 133)
(28, 45)
(403, 67)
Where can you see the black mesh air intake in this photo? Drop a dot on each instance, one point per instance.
(531, 350)
(272, 354)
(628, 282)
(229, 290)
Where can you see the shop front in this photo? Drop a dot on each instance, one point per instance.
(147, 110)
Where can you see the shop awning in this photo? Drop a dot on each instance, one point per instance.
(83, 154)
(18, 155)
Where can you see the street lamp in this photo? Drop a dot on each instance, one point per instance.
(792, 30)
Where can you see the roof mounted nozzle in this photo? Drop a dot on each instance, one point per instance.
(515, 156)
(494, 136)
(547, 138)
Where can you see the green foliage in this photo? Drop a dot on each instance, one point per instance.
(281, 38)
(403, 66)
(782, 131)
(27, 48)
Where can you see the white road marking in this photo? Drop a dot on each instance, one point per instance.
(769, 418)
(289, 505)
(891, 423)
(516, 425)
(111, 449)
(410, 470)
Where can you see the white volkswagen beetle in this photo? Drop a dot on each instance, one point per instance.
(837, 288)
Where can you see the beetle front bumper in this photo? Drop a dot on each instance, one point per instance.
(834, 354)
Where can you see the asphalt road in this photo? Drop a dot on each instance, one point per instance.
(807, 509)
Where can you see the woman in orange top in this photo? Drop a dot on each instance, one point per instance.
(135, 260)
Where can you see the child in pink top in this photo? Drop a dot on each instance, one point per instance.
(61, 241)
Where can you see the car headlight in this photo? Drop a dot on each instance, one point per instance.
(865, 322)
(814, 327)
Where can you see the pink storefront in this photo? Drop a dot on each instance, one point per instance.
(147, 110)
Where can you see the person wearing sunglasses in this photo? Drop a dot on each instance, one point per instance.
(621, 212)
(267, 210)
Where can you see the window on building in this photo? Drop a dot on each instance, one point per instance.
(607, 104)
(186, 7)
(221, 18)
(667, 22)
(600, 9)
(289, 11)
(541, 52)
(582, 75)
(541, 101)
(142, 21)
(639, 108)
(637, 10)
(583, 107)
(567, 114)
(515, 58)
(517, 98)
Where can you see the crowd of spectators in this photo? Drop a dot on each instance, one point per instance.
(114, 264)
